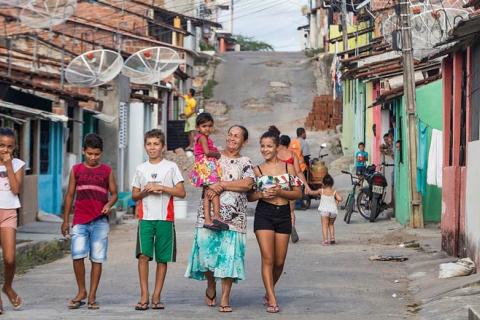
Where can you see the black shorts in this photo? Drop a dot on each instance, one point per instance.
(272, 217)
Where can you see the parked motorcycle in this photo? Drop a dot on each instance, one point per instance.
(313, 179)
(371, 199)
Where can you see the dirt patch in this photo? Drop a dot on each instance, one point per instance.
(394, 237)
(216, 108)
(273, 63)
(257, 105)
(181, 158)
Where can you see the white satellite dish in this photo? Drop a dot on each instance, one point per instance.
(13, 3)
(151, 65)
(431, 27)
(41, 14)
(94, 68)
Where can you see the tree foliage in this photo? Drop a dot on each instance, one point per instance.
(250, 44)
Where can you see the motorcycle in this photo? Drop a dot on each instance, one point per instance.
(372, 197)
(313, 183)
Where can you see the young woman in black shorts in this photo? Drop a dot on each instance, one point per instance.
(276, 185)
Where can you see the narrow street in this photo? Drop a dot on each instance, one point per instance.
(334, 282)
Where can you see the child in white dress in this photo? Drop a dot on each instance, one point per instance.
(328, 209)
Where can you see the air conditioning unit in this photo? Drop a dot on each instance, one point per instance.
(384, 86)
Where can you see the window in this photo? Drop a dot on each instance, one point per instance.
(44, 147)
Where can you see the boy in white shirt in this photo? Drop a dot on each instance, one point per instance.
(156, 182)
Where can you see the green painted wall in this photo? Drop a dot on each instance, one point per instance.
(348, 117)
(429, 110)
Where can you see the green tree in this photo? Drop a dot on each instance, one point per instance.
(250, 44)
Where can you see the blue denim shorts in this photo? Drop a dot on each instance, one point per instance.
(90, 240)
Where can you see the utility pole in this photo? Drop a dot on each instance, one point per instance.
(416, 210)
(231, 17)
(344, 25)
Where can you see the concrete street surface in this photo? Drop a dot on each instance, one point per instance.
(333, 282)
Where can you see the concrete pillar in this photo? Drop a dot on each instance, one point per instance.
(313, 31)
(135, 137)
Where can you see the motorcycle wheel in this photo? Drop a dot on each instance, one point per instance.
(374, 212)
(305, 202)
(363, 205)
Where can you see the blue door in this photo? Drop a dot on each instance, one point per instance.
(50, 177)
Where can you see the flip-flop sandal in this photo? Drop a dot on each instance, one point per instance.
(211, 299)
(16, 302)
(332, 241)
(75, 304)
(225, 309)
(142, 306)
(157, 306)
(273, 309)
(93, 305)
(220, 224)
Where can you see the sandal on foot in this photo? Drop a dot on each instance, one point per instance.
(75, 304)
(225, 309)
(220, 224)
(93, 305)
(326, 243)
(16, 302)
(211, 299)
(332, 241)
(273, 308)
(141, 306)
(157, 306)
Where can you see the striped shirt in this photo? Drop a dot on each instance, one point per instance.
(91, 192)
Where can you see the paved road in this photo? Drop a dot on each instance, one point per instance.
(335, 282)
(264, 88)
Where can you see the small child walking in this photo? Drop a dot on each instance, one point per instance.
(207, 171)
(11, 177)
(328, 209)
(90, 183)
(155, 184)
(361, 158)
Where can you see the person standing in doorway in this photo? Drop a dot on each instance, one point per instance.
(190, 115)
(11, 177)
(91, 182)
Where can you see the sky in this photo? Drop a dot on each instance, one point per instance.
(272, 21)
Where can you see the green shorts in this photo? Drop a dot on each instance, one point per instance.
(191, 123)
(156, 235)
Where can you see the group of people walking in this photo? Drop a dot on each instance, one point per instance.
(228, 181)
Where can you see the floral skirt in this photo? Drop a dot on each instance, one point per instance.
(206, 171)
(221, 252)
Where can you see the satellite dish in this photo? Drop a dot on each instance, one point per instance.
(94, 68)
(13, 3)
(39, 14)
(151, 65)
(432, 27)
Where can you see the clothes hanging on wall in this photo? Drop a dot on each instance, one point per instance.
(422, 148)
(435, 159)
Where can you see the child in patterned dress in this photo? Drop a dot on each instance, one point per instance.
(206, 170)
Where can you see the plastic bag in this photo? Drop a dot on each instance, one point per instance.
(462, 267)
(294, 235)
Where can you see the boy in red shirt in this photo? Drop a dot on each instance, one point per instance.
(91, 182)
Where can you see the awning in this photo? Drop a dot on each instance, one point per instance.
(36, 113)
(16, 120)
(101, 116)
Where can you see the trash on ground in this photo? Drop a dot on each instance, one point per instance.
(387, 258)
(394, 295)
(397, 281)
(461, 267)
(409, 244)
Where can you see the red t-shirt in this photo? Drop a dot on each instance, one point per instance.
(91, 192)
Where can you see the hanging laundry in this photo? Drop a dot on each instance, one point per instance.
(422, 148)
(435, 159)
